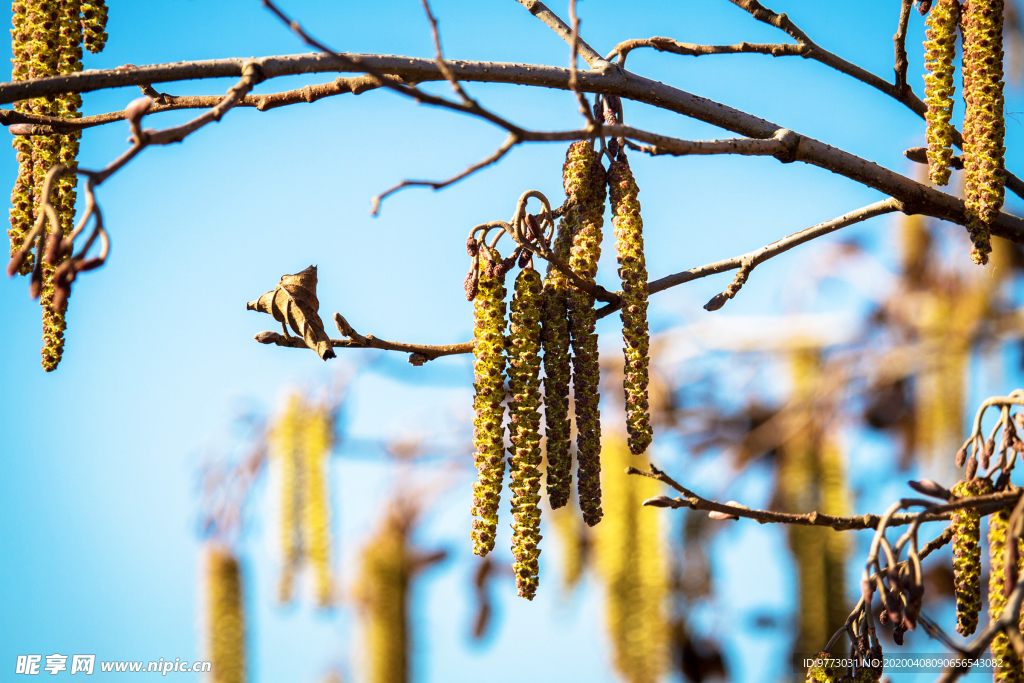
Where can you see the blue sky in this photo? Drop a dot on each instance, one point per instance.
(99, 549)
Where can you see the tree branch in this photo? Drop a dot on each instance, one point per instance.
(538, 9)
(689, 499)
(900, 41)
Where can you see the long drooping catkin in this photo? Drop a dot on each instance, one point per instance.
(524, 430)
(555, 338)
(984, 122)
(383, 594)
(47, 38)
(1012, 669)
(967, 557)
(225, 617)
(586, 374)
(285, 452)
(632, 564)
(318, 437)
(489, 374)
(629, 242)
(939, 50)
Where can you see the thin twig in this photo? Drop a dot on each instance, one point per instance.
(538, 9)
(900, 41)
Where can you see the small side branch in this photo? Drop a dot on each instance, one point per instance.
(418, 353)
(538, 9)
(900, 41)
(692, 501)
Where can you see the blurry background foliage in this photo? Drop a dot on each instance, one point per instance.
(333, 506)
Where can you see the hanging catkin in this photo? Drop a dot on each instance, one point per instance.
(489, 374)
(630, 556)
(585, 186)
(284, 451)
(629, 243)
(225, 619)
(383, 595)
(984, 123)
(1012, 669)
(966, 525)
(318, 434)
(524, 429)
(939, 50)
(555, 337)
(47, 38)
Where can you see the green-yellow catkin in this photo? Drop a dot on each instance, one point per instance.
(629, 243)
(966, 526)
(1012, 669)
(47, 37)
(489, 375)
(819, 671)
(22, 213)
(835, 501)
(524, 429)
(383, 595)
(939, 50)
(225, 617)
(557, 362)
(585, 186)
(284, 438)
(94, 24)
(984, 122)
(631, 560)
(318, 437)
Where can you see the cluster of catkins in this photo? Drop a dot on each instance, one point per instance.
(47, 39)
(225, 616)
(554, 316)
(300, 443)
(981, 27)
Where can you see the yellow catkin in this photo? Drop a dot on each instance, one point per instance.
(318, 436)
(489, 411)
(47, 38)
(225, 617)
(939, 386)
(1012, 670)
(630, 555)
(285, 451)
(557, 361)
(939, 50)
(383, 595)
(966, 526)
(586, 187)
(811, 476)
(984, 121)
(94, 24)
(629, 243)
(819, 671)
(524, 430)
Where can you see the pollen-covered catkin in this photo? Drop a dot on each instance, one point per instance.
(629, 243)
(94, 24)
(284, 440)
(820, 671)
(1012, 669)
(489, 375)
(967, 557)
(22, 214)
(632, 563)
(318, 436)
(524, 429)
(225, 619)
(557, 363)
(383, 595)
(939, 50)
(589, 183)
(984, 123)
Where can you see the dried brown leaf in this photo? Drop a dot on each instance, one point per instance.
(293, 303)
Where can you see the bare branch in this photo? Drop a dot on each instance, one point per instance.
(900, 41)
(936, 512)
(538, 9)
(662, 44)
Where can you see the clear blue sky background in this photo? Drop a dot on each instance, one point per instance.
(99, 546)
